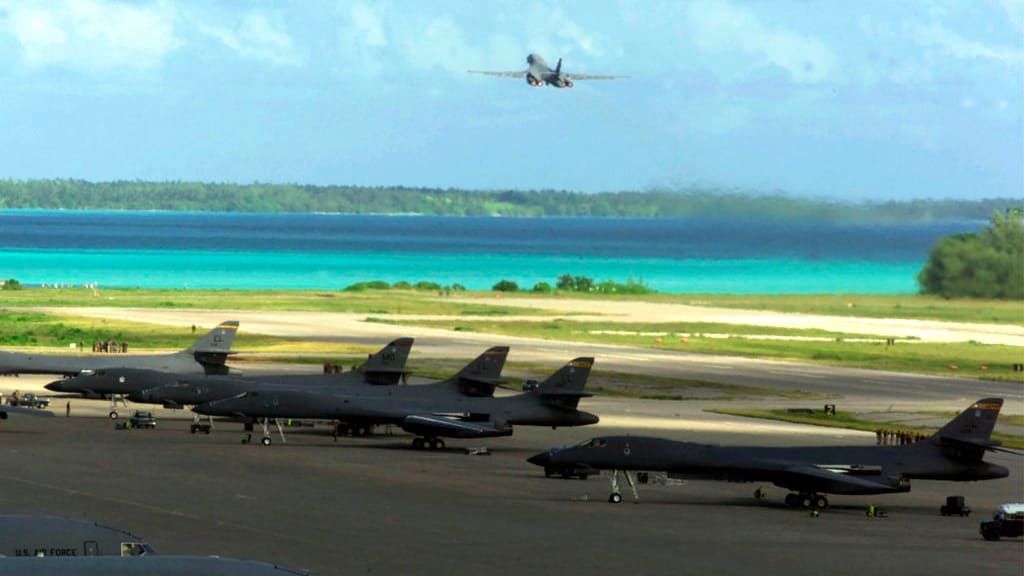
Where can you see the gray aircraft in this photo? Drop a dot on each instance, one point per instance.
(138, 566)
(429, 411)
(207, 356)
(540, 74)
(175, 390)
(31, 535)
(954, 453)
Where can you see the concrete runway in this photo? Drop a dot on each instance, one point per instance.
(362, 506)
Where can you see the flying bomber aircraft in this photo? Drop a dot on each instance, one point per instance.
(430, 411)
(540, 74)
(35, 536)
(954, 453)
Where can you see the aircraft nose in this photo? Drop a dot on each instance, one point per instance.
(586, 419)
(542, 459)
(55, 386)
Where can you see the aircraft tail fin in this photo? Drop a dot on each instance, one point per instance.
(968, 435)
(565, 387)
(558, 67)
(387, 365)
(480, 377)
(215, 346)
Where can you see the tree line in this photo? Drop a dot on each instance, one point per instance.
(989, 264)
(655, 203)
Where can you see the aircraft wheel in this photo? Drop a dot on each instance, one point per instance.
(265, 441)
(113, 415)
(615, 498)
(820, 502)
(806, 501)
(417, 443)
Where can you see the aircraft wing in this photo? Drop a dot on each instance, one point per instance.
(840, 479)
(454, 426)
(516, 74)
(594, 77)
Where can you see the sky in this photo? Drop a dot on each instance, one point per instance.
(871, 100)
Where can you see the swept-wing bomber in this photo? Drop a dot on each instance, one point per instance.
(540, 74)
(954, 453)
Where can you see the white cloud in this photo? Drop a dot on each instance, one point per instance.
(961, 48)
(367, 26)
(93, 35)
(717, 26)
(256, 37)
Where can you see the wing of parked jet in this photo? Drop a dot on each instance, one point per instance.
(455, 426)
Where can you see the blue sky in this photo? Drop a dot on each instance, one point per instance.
(845, 100)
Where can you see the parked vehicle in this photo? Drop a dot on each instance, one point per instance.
(142, 419)
(1008, 522)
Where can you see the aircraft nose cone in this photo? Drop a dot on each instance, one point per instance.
(542, 459)
(586, 418)
(55, 386)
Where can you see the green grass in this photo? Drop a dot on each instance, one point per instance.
(362, 302)
(847, 420)
(909, 306)
(919, 357)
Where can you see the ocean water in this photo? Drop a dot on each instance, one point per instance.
(325, 251)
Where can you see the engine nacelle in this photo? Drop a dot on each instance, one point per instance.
(533, 81)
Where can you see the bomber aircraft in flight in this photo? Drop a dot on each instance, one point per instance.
(954, 453)
(540, 74)
(430, 411)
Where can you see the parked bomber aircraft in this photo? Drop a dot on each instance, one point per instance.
(31, 535)
(430, 411)
(954, 453)
(540, 74)
(138, 566)
(207, 356)
(174, 390)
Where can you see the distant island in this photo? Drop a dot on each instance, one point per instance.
(658, 203)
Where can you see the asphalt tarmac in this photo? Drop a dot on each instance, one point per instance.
(374, 506)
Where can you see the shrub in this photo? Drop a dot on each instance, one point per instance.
(505, 286)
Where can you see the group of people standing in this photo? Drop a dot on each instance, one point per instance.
(885, 437)
(110, 347)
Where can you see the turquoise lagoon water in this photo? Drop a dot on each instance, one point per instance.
(309, 251)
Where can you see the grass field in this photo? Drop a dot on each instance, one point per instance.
(909, 306)
(926, 358)
(363, 302)
(849, 421)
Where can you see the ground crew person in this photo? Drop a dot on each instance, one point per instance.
(67, 410)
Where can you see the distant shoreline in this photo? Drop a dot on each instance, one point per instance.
(257, 198)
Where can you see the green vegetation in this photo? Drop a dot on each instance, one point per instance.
(958, 359)
(846, 420)
(364, 301)
(570, 283)
(910, 306)
(260, 197)
(989, 264)
(10, 284)
(57, 331)
(505, 286)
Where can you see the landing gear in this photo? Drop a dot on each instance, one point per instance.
(806, 500)
(265, 422)
(616, 495)
(428, 443)
(114, 399)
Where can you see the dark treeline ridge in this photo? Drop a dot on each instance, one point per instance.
(658, 203)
